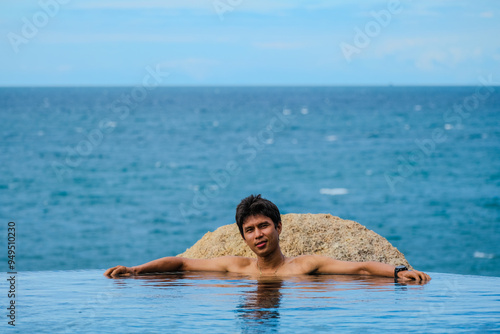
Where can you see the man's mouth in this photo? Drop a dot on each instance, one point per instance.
(261, 244)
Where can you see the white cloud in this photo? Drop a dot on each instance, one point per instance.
(64, 68)
(172, 4)
(196, 68)
(449, 58)
(431, 52)
(77, 38)
(429, 59)
(279, 45)
(393, 46)
(259, 6)
(486, 14)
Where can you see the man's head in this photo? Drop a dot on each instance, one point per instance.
(255, 206)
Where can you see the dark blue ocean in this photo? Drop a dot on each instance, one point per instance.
(95, 177)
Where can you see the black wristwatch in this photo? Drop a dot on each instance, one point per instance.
(397, 270)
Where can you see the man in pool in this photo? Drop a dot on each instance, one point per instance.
(259, 222)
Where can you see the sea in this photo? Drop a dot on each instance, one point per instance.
(93, 177)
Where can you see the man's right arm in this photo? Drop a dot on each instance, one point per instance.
(173, 263)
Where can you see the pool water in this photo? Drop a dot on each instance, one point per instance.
(87, 302)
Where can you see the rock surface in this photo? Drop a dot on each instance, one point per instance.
(321, 234)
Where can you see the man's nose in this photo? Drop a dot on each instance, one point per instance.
(258, 233)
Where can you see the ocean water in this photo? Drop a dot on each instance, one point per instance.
(95, 177)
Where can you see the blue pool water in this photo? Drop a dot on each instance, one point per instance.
(84, 301)
(94, 181)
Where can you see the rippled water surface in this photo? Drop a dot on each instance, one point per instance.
(87, 302)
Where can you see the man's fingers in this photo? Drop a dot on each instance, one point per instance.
(117, 271)
(422, 276)
(416, 275)
(108, 272)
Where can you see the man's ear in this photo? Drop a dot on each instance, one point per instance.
(278, 228)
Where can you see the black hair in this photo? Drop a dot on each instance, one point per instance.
(256, 205)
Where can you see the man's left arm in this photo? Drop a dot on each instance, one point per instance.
(327, 265)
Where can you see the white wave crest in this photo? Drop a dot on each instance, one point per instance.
(333, 191)
(481, 255)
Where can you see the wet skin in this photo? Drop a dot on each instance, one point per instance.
(262, 236)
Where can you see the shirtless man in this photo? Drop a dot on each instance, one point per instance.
(259, 222)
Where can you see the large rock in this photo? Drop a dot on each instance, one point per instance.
(321, 234)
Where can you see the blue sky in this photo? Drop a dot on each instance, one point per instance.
(245, 42)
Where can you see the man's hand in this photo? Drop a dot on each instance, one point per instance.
(413, 275)
(118, 271)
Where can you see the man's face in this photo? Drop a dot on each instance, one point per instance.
(261, 235)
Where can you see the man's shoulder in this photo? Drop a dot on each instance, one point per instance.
(305, 258)
(309, 261)
(235, 263)
(236, 260)
(303, 264)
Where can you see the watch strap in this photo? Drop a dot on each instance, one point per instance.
(398, 269)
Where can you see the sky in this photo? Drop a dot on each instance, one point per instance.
(249, 42)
